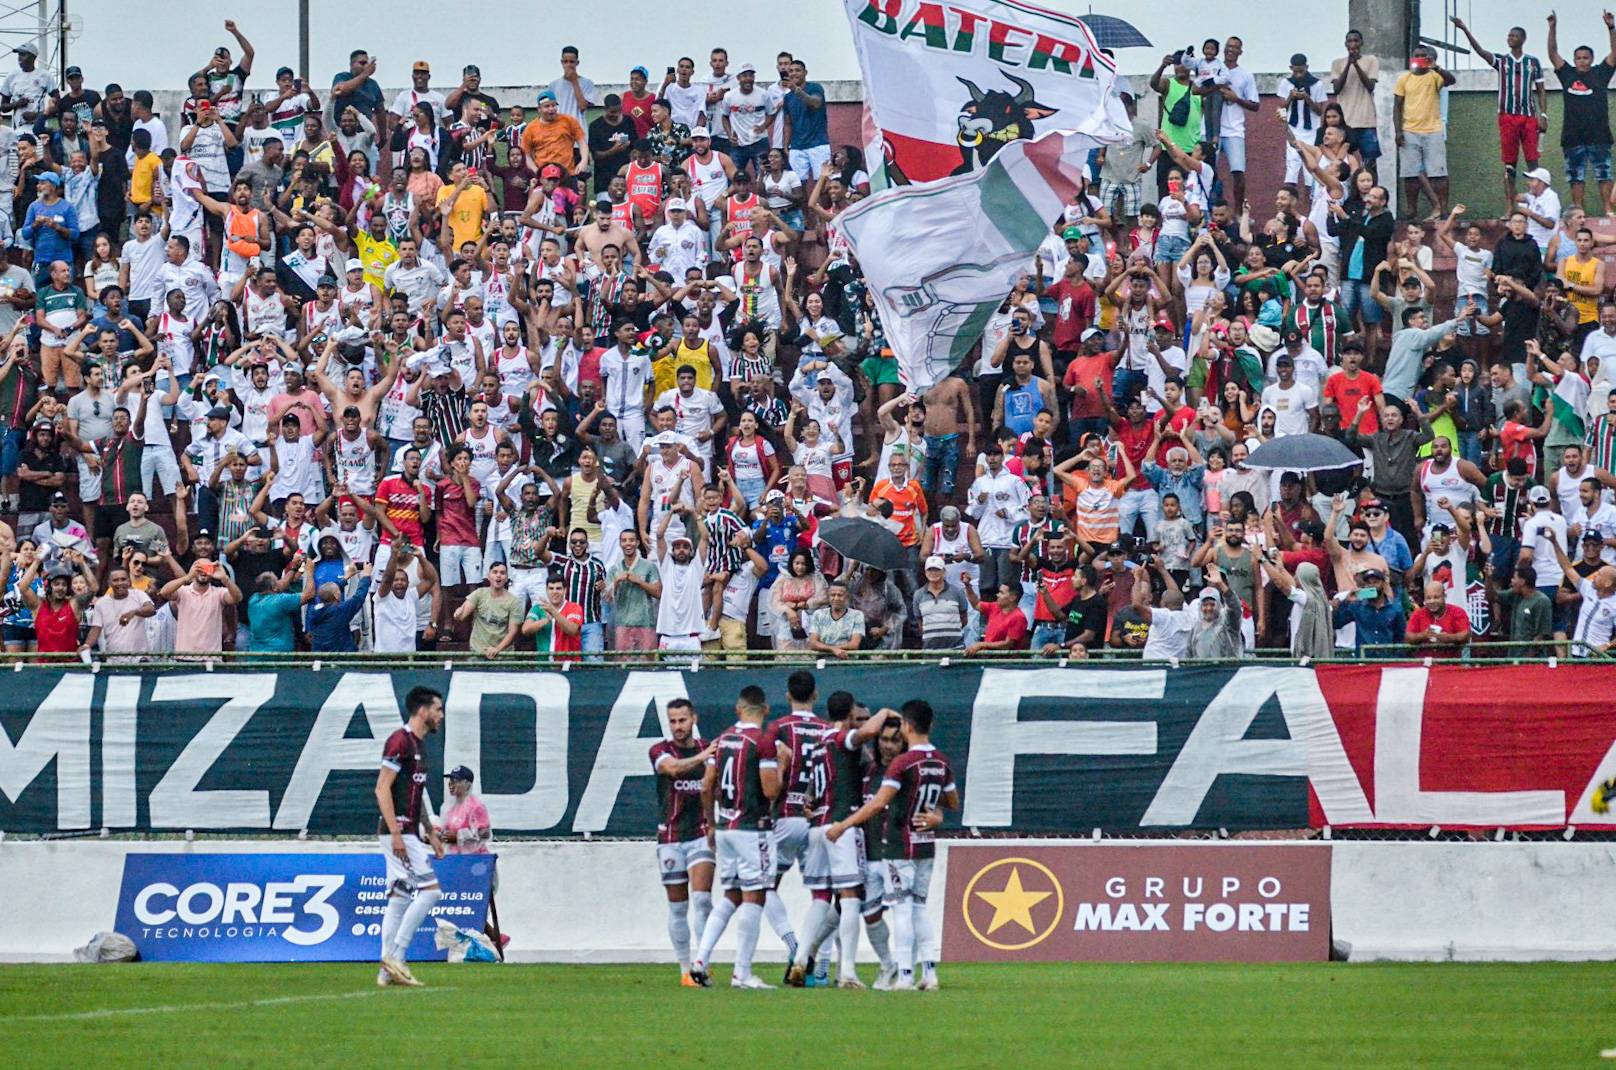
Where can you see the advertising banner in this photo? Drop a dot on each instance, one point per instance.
(1134, 903)
(283, 907)
(1038, 750)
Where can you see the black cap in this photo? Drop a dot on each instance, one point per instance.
(1292, 335)
(1593, 535)
(219, 412)
(1442, 529)
(73, 72)
(58, 497)
(460, 772)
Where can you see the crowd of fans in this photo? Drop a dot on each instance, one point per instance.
(586, 376)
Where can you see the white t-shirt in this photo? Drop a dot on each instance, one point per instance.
(748, 113)
(1595, 621)
(145, 260)
(1536, 532)
(679, 611)
(1545, 204)
(1311, 370)
(1453, 577)
(1157, 378)
(1470, 269)
(686, 103)
(1169, 635)
(1290, 407)
(738, 592)
(1234, 116)
(394, 628)
(1603, 520)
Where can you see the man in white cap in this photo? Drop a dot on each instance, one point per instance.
(940, 607)
(679, 244)
(710, 172)
(1541, 205)
(358, 293)
(681, 563)
(22, 95)
(747, 112)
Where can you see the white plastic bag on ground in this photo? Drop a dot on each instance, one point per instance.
(464, 945)
(107, 947)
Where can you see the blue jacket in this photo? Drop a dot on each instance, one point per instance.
(1384, 626)
(328, 624)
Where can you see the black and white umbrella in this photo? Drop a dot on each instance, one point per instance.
(1112, 32)
(1303, 453)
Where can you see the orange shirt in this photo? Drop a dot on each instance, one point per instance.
(908, 506)
(552, 142)
(1095, 513)
(1346, 393)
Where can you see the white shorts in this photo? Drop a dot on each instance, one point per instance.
(415, 870)
(158, 464)
(675, 859)
(691, 643)
(815, 862)
(846, 856)
(790, 842)
(528, 584)
(908, 878)
(875, 888)
(745, 859)
(89, 482)
(460, 564)
(809, 162)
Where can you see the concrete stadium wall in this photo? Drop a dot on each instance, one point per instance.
(1402, 901)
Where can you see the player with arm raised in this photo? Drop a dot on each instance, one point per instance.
(836, 869)
(412, 886)
(917, 786)
(684, 855)
(737, 795)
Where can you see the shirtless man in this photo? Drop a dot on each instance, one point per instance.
(352, 389)
(950, 412)
(602, 231)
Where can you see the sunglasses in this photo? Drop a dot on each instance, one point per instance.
(1374, 512)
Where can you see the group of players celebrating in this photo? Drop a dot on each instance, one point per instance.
(853, 800)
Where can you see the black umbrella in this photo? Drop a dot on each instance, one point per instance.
(864, 541)
(1303, 453)
(1112, 32)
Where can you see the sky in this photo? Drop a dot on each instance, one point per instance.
(523, 37)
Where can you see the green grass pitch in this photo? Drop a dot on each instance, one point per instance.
(1357, 1015)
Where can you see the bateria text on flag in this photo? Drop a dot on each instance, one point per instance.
(949, 85)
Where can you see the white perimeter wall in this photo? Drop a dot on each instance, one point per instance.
(600, 902)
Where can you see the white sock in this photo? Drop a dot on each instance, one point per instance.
(779, 920)
(925, 947)
(716, 921)
(818, 909)
(903, 932)
(396, 906)
(849, 939)
(747, 921)
(880, 940)
(425, 899)
(701, 905)
(679, 931)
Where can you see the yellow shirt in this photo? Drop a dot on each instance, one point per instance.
(466, 221)
(143, 179)
(1422, 102)
(665, 372)
(377, 255)
(1579, 272)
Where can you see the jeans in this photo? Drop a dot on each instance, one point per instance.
(942, 462)
(592, 639)
(1506, 549)
(11, 450)
(1047, 633)
(1357, 299)
(1139, 505)
(1470, 447)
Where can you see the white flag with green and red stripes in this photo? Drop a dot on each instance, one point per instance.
(950, 85)
(941, 257)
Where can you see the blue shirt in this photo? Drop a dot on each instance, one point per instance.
(775, 542)
(273, 618)
(1394, 548)
(1188, 487)
(79, 188)
(807, 124)
(1381, 627)
(328, 623)
(48, 244)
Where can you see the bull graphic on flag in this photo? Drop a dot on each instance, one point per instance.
(994, 118)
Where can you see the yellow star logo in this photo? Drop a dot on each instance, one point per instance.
(1012, 903)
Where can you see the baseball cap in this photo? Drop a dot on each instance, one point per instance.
(27, 48)
(1372, 575)
(1285, 359)
(774, 496)
(935, 561)
(1210, 594)
(1292, 336)
(550, 170)
(1374, 503)
(747, 68)
(460, 772)
(1593, 535)
(1071, 233)
(421, 65)
(50, 176)
(677, 204)
(681, 538)
(1538, 495)
(1541, 174)
(1092, 332)
(58, 498)
(1165, 324)
(701, 131)
(353, 264)
(73, 72)
(641, 71)
(1441, 529)
(219, 412)
(472, 68)
(544, 95)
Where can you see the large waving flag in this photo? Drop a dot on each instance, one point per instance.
(941, 257)
(949, 85)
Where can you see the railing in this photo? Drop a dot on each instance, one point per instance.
(1491, 653)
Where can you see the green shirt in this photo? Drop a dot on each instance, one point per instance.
(491, 617)
(634, 607)
(1531, 620)
(272, 618)
(1186, 137)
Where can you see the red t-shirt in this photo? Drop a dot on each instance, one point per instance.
(1346, 393)
(1081, 373)
(1074, 311)
(998, 624)
(1453, 621)
(1175, 423)
(1515, 441)
(402, 505)
(589, 369)
(56, 629)
(457, 523)
(638, 109)
(1058, 583)
(1135, 442)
